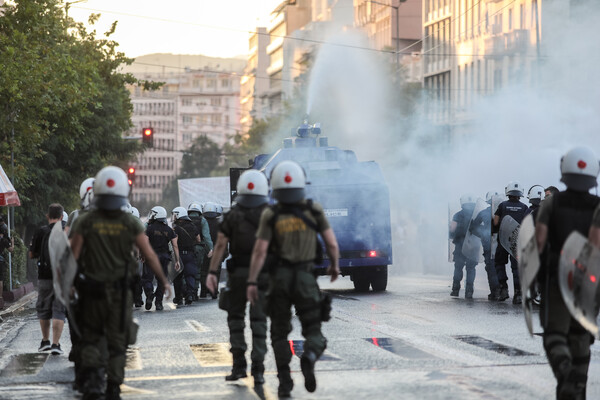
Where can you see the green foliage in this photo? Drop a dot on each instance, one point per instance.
(65, 102)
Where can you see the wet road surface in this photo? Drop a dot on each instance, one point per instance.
(411, 342)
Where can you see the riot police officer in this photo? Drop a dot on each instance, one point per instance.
(212, 213)
(238, 229)
(202, 250)
(516, 210)
(458, 230)
(137, 283)
(159, 235)
(102, 242)
(187, 237)
(566, 342)
(291, 226)
(86, 194)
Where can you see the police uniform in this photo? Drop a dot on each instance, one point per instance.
(515, 209)
(566, 342)
(292, 281)
(462, 219)
(201, 250)
(185, 282)
(239, 226)
(482, 228)
(106, 267)
(159, 235)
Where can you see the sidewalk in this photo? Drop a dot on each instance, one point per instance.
(16, 307)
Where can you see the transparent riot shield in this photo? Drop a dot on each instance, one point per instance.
(508, 234)
(578, 274)
(529, 265)
(451, 211)
(64, 268)
(472, 247)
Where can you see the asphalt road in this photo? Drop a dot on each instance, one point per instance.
(411, 342)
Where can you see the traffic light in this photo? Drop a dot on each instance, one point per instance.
(148, 136)
(131, 175)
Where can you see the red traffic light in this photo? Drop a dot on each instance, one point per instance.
(131, 170)
(148, 136)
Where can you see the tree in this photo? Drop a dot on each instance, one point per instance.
(63, 104)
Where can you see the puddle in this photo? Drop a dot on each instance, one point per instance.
(25, 364)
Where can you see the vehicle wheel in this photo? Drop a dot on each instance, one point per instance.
(379, 279)
(361, 281)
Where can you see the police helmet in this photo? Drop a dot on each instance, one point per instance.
(514, 189)
(579, 169)
(86, 192)
(65, 217)
(180, 213)
(490, 195)
(135, 212)
(158, 213)
(535, 194)
(111, 188)
(288, 181)
(467, 199)
(252, 189)
(211, 210)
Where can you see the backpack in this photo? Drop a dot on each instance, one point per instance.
(298, 211)
(44, 258)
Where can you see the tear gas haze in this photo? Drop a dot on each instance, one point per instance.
(517, 132)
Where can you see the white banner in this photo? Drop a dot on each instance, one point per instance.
(201, 190)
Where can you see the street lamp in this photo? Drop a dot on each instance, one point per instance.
(397, 25)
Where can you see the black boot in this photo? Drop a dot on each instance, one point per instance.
(258, 371)
(237, 372)
(469, 291)
(158, 305)
(307, 364)
(93, 383)
(494, 295)
(455, 289)
(518, 297)
(503, 295)
(286, 384)
(113, 391)
(149, 298)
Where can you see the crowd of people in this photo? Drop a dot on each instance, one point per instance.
(118, 259)
(556, 215)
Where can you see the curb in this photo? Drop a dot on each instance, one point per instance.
(18, 306)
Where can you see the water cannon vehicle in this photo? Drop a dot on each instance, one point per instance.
(354, 196)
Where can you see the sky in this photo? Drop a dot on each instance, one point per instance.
(208, 27)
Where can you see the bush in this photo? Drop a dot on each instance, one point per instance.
(19, 263)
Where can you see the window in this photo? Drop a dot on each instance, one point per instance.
(522, 16)
(225, 83)
(510, 19)
(187, 119)
(215, 101)
(186, 102)
(211, 83)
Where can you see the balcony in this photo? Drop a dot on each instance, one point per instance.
(512, 42)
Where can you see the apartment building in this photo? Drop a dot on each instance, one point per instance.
(394, 26)
(255, 82)
(474, 48)
(190, 104)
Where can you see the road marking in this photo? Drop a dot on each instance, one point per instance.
(400, 348)
(197, 326)
(297, 347)
(212, 354)
(493, 346)
(131, 390)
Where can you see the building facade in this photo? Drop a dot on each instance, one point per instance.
(255, 82)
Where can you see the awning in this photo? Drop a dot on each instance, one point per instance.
(8, 194)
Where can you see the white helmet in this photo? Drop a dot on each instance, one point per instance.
(180, 213)
(65, 217)
(490, 195)
(158, 213)
(111, 188)
(514, 189)
(252, 189)
(195, 208)
(579, 169)
(135, 212)
(288, 181)
(86, 192)
(211, 210)
(467, 199)
(535, 194)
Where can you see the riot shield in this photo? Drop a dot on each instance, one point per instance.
(172, 274)
(509, 232)
(578, 274)
(496, 200)
(64, 268)
(529, 264)
(472, 247)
